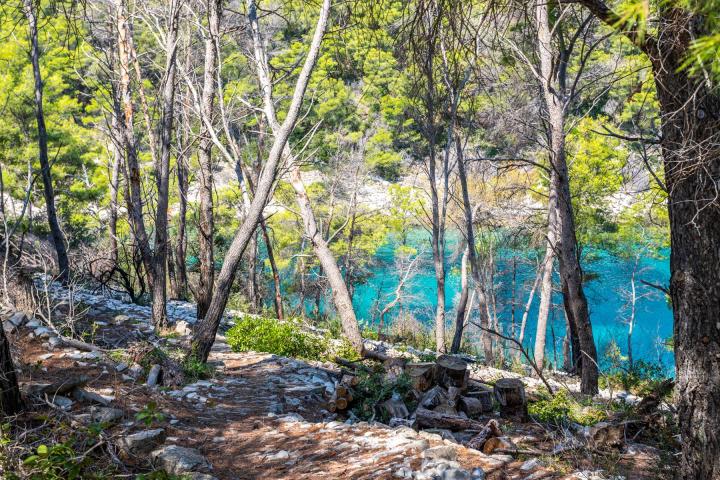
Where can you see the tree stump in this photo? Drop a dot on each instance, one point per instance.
(510, 394)
(452, 372)
(422, 375)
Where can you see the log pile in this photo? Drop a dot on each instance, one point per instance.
(339, 399)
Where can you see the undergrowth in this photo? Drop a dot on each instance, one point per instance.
(561, 408)
(373, 388)
(284, 338)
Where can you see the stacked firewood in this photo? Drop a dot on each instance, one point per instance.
(341, 396)
(445, 396)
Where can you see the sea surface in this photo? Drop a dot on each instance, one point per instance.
(607, 288)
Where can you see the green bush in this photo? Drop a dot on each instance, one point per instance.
(284, 338)
(640, 379)
(562, 408)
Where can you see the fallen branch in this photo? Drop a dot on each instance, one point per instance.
(522, 350)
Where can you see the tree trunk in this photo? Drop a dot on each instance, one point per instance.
(207, 227)
(10, 400)
(133, 187)
(690, 139)
(547, 282)
(114, 185)
(275, 272)
(204, 334)
(569, 263)
(162, 172)
(462, 305)
(45, 168)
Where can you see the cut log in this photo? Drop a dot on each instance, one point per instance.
(499, 443)
(606, 434)
(349, 380)
(446, 409)
(472, 406)
(330, 406)
(395, 408)
(484, 395)
(452, 372)
(341, 403)
(394, 367)
(510, 394)
(422, 375)
(490, 430)
(433, 397)
(431, 419)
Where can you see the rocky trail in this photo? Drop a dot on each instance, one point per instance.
(258, 416)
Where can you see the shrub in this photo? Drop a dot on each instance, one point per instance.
(284, 338)
(562, 408)
(640, 379)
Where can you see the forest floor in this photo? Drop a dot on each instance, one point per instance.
(257, 417)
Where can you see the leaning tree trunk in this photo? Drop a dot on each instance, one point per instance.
(48, 191)
(462, 305)
(205, 330)
(569, 263)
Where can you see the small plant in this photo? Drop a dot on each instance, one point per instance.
(150, 414)
(55, 462)
(284, 338)
(195, 369)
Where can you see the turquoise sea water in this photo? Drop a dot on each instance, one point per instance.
(608, 277)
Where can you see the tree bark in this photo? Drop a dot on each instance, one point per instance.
(206, 279)
(162, 172)
(547, 281)
(10, 400)
(570, 268)
(45, 168)
(133, 187)
(462, 304)
(204, 334)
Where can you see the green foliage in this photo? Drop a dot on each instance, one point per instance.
(561, 408)
(641, 378)
(56, 462)
(284, 338)
(373, 389)
(195, 370)
(150, 414)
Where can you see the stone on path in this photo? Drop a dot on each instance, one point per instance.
(177, 460)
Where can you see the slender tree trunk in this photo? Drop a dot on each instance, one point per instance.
(528, 305)
(45, 168)
(181, 291)
(162, 172)
(205, 331)
(114, 185)
(462, 304)
(546, 289)
(275, 273)
(252, 275)
(133, 187)
(569, 263)
(207, 224)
